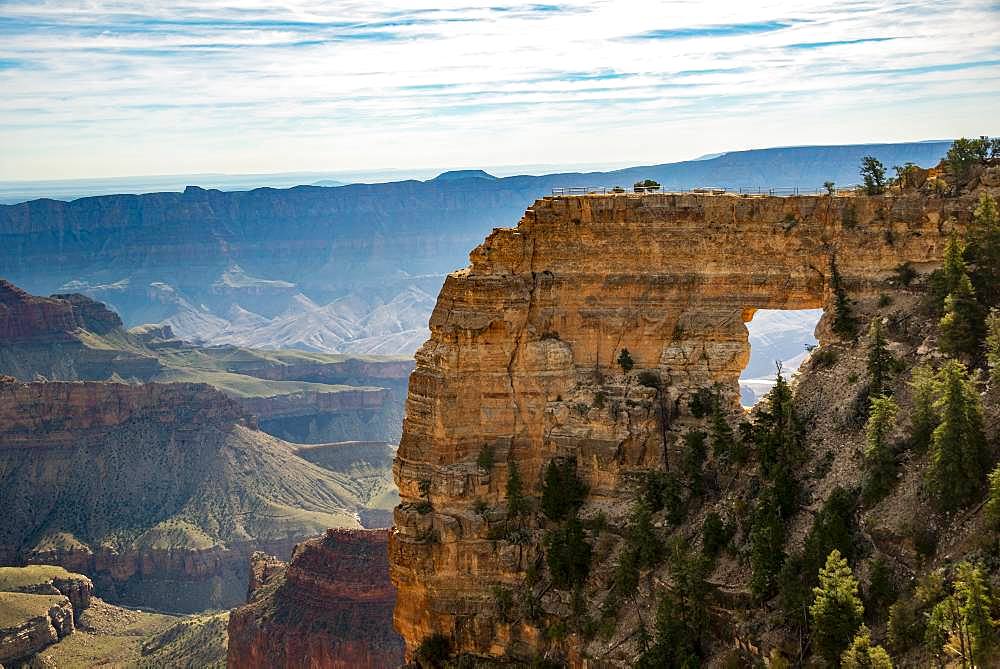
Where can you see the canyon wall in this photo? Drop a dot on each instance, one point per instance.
(158, 492)
(521, 361)
(330, 607)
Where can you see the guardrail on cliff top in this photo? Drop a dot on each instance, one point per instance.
(745, 191)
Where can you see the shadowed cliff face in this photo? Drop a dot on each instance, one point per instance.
(522, 351)
(330, 607)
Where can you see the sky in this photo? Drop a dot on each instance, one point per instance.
(99, 88)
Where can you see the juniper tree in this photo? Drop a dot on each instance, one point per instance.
(958, 444)
(880, 465)
(844, 324)
(837, 611)
(923, 416)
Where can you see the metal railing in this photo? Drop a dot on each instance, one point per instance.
(744, 191)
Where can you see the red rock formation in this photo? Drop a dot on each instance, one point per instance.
(331, 607)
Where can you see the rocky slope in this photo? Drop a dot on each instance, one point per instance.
(301, 397)
(521, 364)
(158, 492)
(38, 607)
(331, 606)
(350, 269)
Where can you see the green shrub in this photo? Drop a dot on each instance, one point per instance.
(702, 402)
(661, 491)
(649, 379)
(433, 652)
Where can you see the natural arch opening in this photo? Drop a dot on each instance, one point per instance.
(783, 335)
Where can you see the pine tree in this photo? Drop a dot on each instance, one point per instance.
(836, 611)
(923, 416)
(974, 604)
(861, 654)
(767, 540)
(993, 501)
(984, 250)
(562, 491)
(958, 445)
(777, 437)
(568, 555)
(880, 465)
(625, 361)
(873, 175)
(962, 321)
(993, 344)
(722, 438)
(880, 360)
(517, 505)
(844, 324)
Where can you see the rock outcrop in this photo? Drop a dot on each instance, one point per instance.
(522, 362)
(331, 607)
(30, 623)
(27, 317)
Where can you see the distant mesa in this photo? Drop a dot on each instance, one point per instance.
(458, 175)
(328, 183)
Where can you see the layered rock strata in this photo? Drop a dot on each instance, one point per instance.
(331, 607)
(522, 361)
(159, 492)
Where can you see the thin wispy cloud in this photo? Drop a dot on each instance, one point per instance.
(112, 87)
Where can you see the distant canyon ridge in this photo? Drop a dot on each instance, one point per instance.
(349, 269)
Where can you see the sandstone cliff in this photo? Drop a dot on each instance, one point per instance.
(330, 607)
(521, 363)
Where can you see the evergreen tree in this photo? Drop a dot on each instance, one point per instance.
(958, 445)
(962, 320)
(993, 501)
(974, 604)
(923, 416)
(693, 460)
(681, 616)
(880, 465)
(568, 555)
(984, 250)
(777, 437)
(517, 504)
(625, 361)
(873, 175)
(767, 540)
(723, 440)
(837, 611)
(642, 539)
(562, 491)
(993, 344)
(844, 324)
(880, 360)
(961, 325)
(861, 654)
